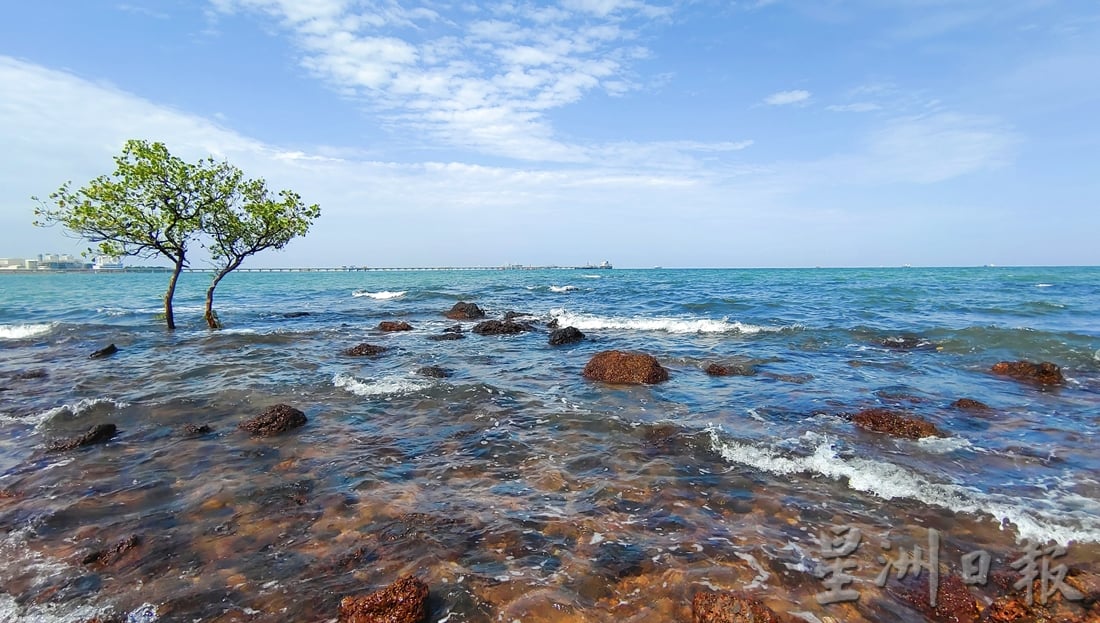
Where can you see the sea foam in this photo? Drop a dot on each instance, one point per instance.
(668, 325)
(560, 289)
(384, 295)
(23, 331)
(74, 410)
(1034, 519)
(386, 386)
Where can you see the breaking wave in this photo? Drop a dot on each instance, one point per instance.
(23, 331)
(669, 325)
(384, 295)
(386, 386)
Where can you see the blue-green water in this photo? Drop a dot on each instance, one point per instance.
(517, 488)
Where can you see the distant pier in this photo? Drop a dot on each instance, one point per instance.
(334, 269)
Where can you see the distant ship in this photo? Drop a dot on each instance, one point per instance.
(604, 265)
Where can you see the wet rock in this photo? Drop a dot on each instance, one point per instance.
(798, 379)
(195, 430)
(717, 369)
(1007, 610)
(100, 433)
(111, 555)
(499, 327)
(297, 314)
(568, 335)
(434, 372)
(27, 375)
(1045, 373)
(365, 350)
(904, 342)
(446, 337)
(8, 494)
(620, 560)
(616, 366)
(404, 601)
(553, 324)
(453, 329)
(969, 404)
(895, 424)
(954, 602)
(512, 315)
(274, 421)
(391, 325)
(730, 608)
(465, 311)
(106, 351)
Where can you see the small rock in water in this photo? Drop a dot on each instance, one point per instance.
(499, 327)
(111, 555)
(100, 433)
(730, 608)
(27, 375)
(895, 424)
(568, 335)
(297, 314)
(434, 372)
(365, 350)
(392, 325)
(905, 342)
(1045, 373)
(106, 351)
(619, 367)
(969, 404)
(404, 601)
(276, 420)
(465, 311)
(195, 430)
(446, 337)
(453, 329)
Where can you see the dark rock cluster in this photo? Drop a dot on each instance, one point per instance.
(625, 368)
(274, 421)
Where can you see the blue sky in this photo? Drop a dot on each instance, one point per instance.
(685, 133)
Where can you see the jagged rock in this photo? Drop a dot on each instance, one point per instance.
(100, 433)
(297, 314)
(969, 404)
(446, 337)
(391, 325)
(720, 369)
(111, 555)
(730, 608)
(27, 375)
(404, 601)
(904, 342)
(512, 315)
(1045, 373)
(365, 350)
(106, 351)
(568, 335)
(616, 366)
(553, 324)
(499, 327)
(434, 372)
(194, 430)
(275, 420)
(453, 329)
(465, 311)
(895, 424)
(953, 600)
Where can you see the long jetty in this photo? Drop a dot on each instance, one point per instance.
(333, 269)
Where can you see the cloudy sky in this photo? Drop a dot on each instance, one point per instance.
(645, 132)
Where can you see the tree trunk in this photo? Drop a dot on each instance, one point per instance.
(169, 317)
(212, 318)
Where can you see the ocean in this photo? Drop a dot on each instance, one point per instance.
(516, 488)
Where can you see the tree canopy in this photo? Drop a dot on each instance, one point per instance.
(155, 204)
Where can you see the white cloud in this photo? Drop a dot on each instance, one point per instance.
(786, 98)
(855, 107)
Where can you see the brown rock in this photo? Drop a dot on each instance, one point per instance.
(1045, 373)
(729, 608)
(404, 601)
(616, 366)
(434, 372)
(194, 430)
(446, 337)
(499, 327)
(954, 603)
(465, 311)
(391, 325)
(717, 369)
(275, 420)
(100, 433)
(969, 404)
(1007, 610)
(111, 555)
(895, 424)
(365, 350)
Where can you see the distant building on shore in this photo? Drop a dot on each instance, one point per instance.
(58, 261)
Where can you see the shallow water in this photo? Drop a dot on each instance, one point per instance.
(517, 489)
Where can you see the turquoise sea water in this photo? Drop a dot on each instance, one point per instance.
(515, 487)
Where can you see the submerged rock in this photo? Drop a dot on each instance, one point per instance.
(111, 555)
(404, 601)
(1045, 373)
(391, 325)
(434, 372)
(895, 424)
(195, 430)
(297, 314)
(453, 329)
(736, 369)
(904, 342)
(365, 350)
(499, 327)
(100, 433)
(954, 602)
(620, 367)
(27, 375)
(106, 351)
(729, 608)
(512, 315)
(274, 421)
(969, 404)
(446, 337)
(465, 311)
(568, 335)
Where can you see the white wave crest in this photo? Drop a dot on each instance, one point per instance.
(73, 411)
(592, 276)
(1044, 285)
(1035, 519)
(563, 288)
(669, 325)
(23, 331)
(384, 295)
(386, 386)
